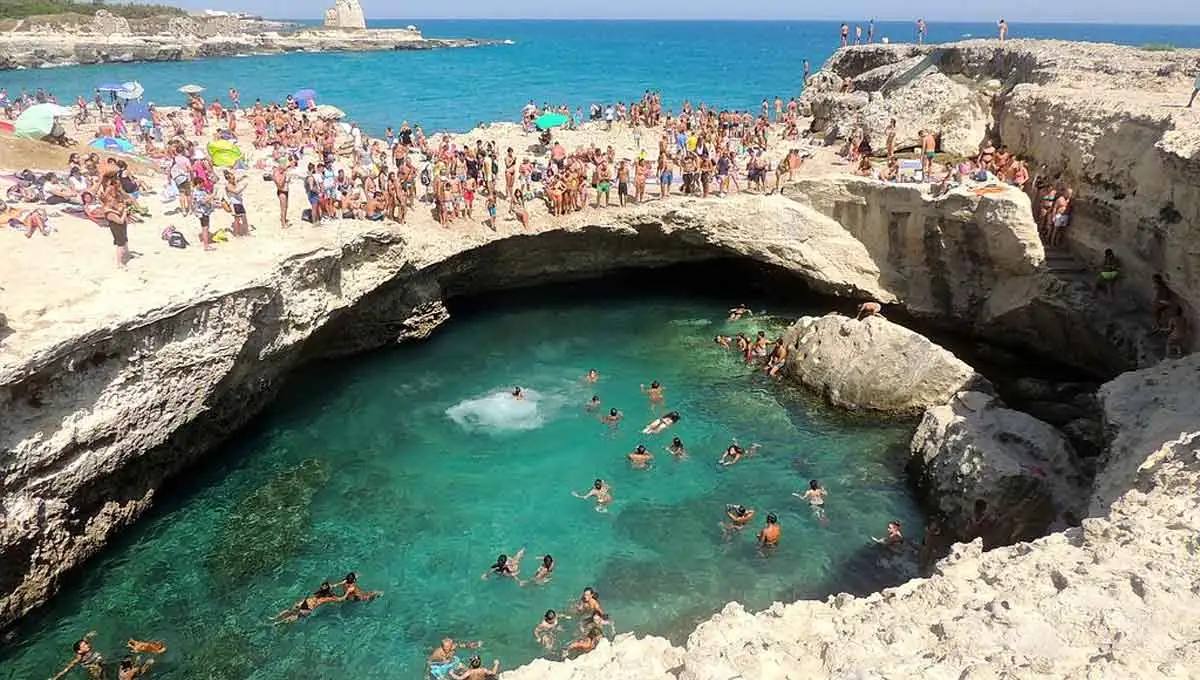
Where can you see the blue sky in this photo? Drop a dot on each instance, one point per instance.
(1116, 11)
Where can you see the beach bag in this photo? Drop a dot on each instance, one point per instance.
(174, 238)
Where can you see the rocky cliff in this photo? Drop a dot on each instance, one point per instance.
(1115, 598)
(63, 41)
(1106, 120)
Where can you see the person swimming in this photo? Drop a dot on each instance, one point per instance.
(305, 607)
(655, 392)
(86, 658)
(443, 659)
(614, 416)
(760, 344)
(736, 453)
(593, 403)
(518, 393)
(546, 631)
(676, 448)
(769, 536)
(722, 340)
(601, 492)
(544, 570)
(738, 312)
(592, 632)
(739, 517)
(894, 537)
(475, 670)
(589, 603)
(815, 495)
(506, 566)
(661, 424)
(777, 359)
(131, 668)
(351, 591)
(640, 457)
(592, 375)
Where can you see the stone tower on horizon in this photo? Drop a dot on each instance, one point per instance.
(347, 14)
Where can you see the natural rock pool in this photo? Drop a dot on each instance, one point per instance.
(412, 467)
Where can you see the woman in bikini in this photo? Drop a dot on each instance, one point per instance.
(510, 172)
(352, 593)
(544, 570)
(506, 566)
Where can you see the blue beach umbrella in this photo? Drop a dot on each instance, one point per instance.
(303, 96)
(136, 111)
(111, 144)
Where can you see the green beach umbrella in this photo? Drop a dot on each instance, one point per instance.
(550, 120)
(224, 153)
(37, 121)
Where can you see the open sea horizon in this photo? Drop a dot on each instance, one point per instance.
(728, 64)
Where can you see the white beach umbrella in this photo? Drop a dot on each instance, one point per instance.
(191, 89)
(131, 90)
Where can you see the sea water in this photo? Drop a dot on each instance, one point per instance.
(415, 467)
(728, 64)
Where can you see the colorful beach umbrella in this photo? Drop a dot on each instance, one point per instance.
(112, 144)
(305, 95)
(550, 120)
(191, 89)
(37, 121)
(224, 153)
(131, 90)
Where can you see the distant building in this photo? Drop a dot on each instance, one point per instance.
(345, 14)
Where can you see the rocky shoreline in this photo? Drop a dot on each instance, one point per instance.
(108, 40)
(99, 414)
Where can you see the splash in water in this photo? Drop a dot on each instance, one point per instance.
(499, 412)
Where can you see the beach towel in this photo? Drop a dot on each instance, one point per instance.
(990, 189)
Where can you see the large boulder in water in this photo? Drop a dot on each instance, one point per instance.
(995, 473)
(875, 365)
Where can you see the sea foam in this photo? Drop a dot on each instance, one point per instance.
(498, 412)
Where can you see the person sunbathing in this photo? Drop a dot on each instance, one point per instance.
(29, 219)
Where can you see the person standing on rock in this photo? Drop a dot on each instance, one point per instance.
(871, 31)
(1003, 25)
(928, 151)
(1195, 86)
(808, 71)
(921, 31)
(857, 35)
(845, 35)
(867, 309)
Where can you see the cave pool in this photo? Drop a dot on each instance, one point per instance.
(413, 468)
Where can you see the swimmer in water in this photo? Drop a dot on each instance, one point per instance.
(655, 392)
(739, 517)
(640, 457)
(739, 311)
(769, 536)
(593, 631)
(614, 416)
(506, 566)
(894, 537)
(475, 670)
(760, 344)
(742, 343)
(601, 492)
(130, 668)
(351, 591)
(86, 658)
(444, 654)
(146, 647)
(544, 571)
(722, 340)
(676, 449)
(518, 393)
(593, 403)
(661, 424)
(736, 453)
(305, 607)
(777, 359)
(589, 604)
(547, 630)
(815, 495)
(592, 375)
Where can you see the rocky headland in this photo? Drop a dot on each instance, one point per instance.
(68, 40)
(109, 392)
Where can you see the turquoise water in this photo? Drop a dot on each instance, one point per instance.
(361, 467)
(727, 64)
